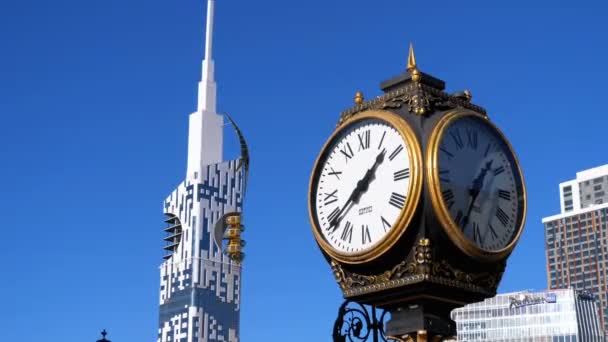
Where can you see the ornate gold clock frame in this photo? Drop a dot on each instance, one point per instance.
(415, 188)
(428, 270)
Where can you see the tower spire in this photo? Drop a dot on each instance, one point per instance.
(209, 37)
(206, 137)
(207, 86)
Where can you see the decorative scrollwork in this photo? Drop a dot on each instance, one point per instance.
(420, 99)
(352, 279)
(481, 279)
(358, 323)
(418, 267)
(415, 98)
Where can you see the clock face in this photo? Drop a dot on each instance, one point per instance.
(361, 185)
(480, 183)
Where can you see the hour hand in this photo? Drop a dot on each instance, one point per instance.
(363, 184)
(361, 187)
(335, 221)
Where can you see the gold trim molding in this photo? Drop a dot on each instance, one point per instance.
(411, 204)
(419, 98)
(441, 210)
(421, 267)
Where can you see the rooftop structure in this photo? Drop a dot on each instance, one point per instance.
(553, 315)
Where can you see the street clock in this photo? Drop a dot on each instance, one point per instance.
(416, 200)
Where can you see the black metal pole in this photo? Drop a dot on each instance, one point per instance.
(375, 324)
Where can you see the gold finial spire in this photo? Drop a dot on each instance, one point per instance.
(411, 59)
(359, 98)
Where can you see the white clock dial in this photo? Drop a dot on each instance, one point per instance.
(361, 185)
(480, 183)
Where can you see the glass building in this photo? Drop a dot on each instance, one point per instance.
(552, 316)
(576, 240)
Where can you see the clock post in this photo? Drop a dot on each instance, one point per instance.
(416, 201)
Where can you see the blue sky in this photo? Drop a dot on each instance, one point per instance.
(95, 97)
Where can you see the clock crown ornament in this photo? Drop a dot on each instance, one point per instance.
(359, 98)
(416, 201)
(411, 59)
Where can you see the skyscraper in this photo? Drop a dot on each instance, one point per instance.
(577, 238)
(200, 285)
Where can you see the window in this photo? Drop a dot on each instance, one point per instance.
(597, 187)
(598, 180)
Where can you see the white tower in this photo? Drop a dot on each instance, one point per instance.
(200, 285)
(205, 139)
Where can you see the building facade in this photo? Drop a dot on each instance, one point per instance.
(547, 316)
(589, 188)
(577, 239)
(200, 285)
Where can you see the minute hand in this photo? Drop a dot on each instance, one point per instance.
(361, 187)
(475, 190)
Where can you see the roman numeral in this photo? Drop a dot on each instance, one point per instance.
(385, 223)
(476, 233)
(364, 140)
(444, 150)
(335, 173)
(448, 198)
(506, 195)
(458, 219)
(347, 233)
(444, 176)
(365, 236)
(472, 139)
(493, 231)
(402, 174)
(499, 170)
(333, 216)
(457, 139)
(331, 197)
(345, 152)
(502, 216)
(395, 152)
(397, 200)
(381, 140)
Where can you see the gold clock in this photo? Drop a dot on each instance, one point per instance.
(365, 187)
(476, 185)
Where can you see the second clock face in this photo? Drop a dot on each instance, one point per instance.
(361, 185)
(480, 183)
